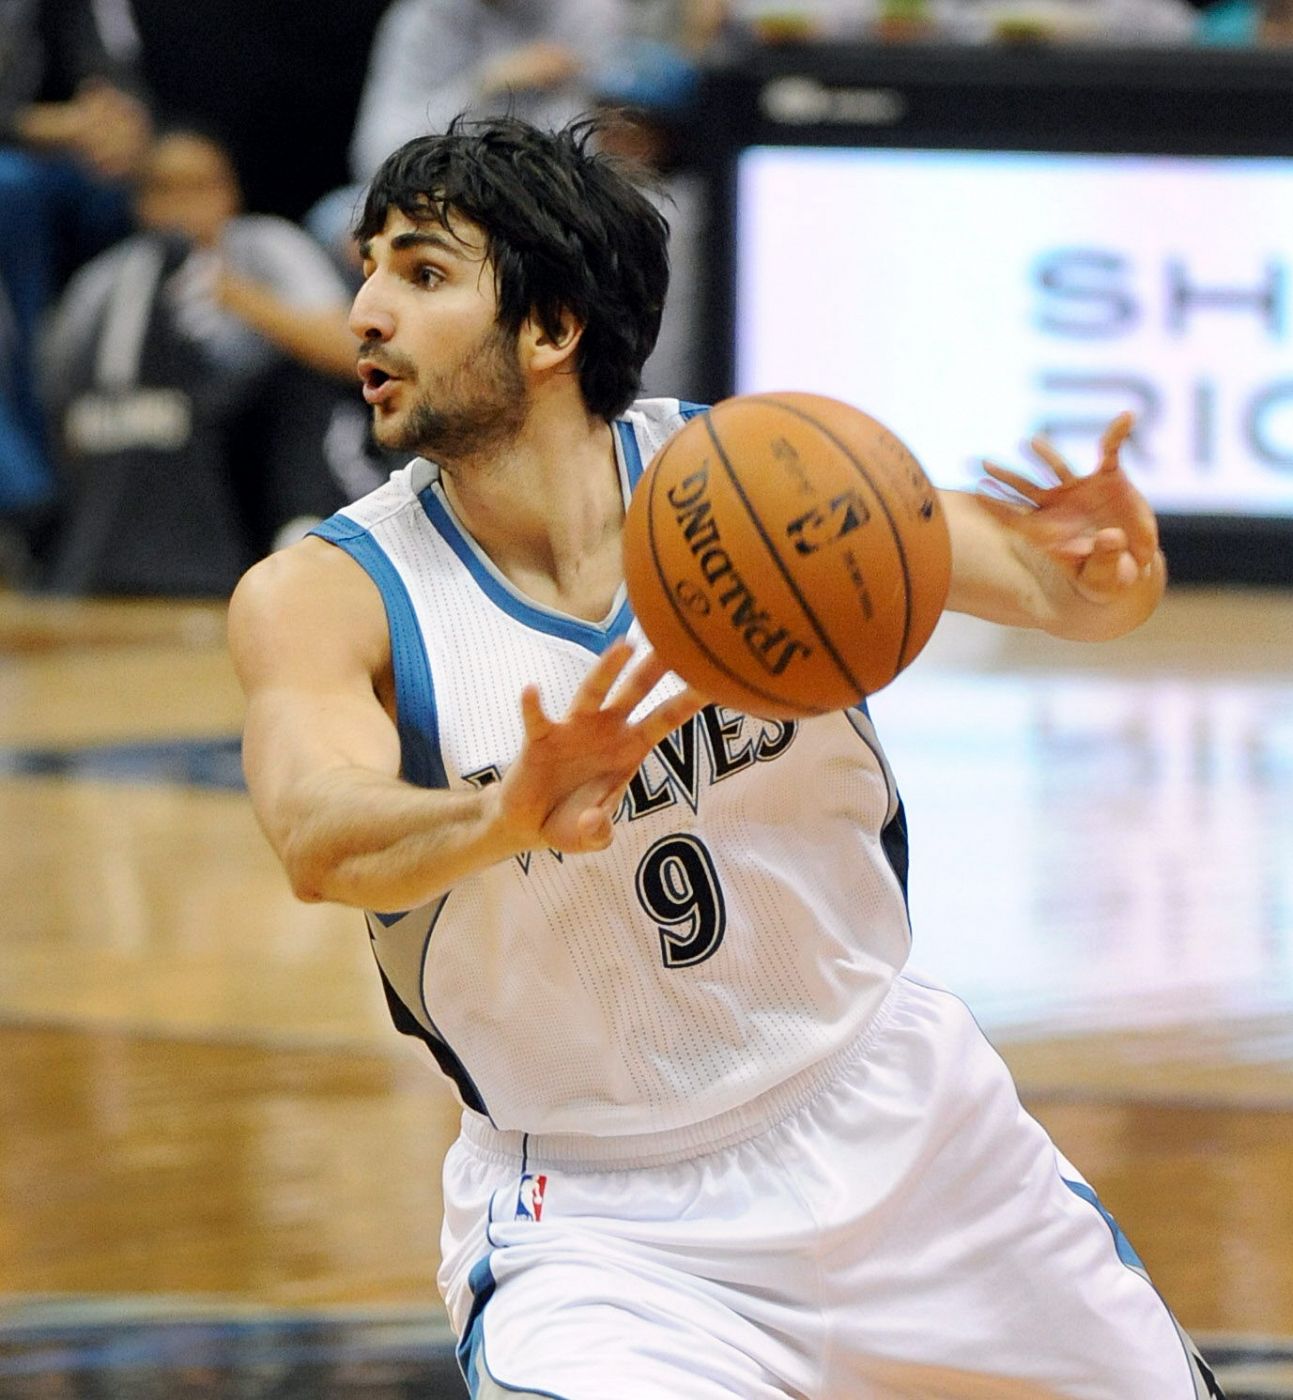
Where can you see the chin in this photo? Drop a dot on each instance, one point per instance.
(388, 432)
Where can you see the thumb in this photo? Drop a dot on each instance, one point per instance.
(596, 830)
(1108, 569)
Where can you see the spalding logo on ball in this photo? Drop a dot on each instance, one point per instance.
(786, 555)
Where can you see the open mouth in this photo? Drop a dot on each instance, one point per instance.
(378, 384)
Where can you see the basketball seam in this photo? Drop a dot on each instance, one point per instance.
(787, 577)
(888, 515)
(716, 661)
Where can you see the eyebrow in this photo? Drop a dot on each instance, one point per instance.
(416, 239)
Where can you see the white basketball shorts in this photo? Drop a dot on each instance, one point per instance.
(891, 1223)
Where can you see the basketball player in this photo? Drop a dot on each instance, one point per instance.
(715, 1142)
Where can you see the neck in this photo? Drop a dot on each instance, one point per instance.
(548, 509)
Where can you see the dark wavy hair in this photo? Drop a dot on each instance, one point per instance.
(566, 227)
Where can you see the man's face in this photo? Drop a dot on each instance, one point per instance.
(187, 185)
(442, 378)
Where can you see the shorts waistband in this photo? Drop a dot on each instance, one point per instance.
(586, 1152)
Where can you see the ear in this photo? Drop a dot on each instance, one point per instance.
(543, 352)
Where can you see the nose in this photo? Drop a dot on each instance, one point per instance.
(369, 318)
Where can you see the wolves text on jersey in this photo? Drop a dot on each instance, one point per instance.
(673, 771)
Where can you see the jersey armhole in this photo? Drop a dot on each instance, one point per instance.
(415, 707)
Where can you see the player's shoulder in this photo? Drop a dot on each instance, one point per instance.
(315, 584)
(654, 421)
(296, 569)
(307, 600)
(399, 493)
(662, 413)
(318, 584)
(295, 584)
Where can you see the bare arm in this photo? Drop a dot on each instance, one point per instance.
(319, 337)
(308, 635)
(106, 128)
(1077, 557)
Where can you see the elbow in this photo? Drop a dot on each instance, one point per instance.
(308, 891)
(322, 875)
(311, 872)
(307, 886)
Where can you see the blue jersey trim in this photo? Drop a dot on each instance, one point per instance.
(893, 841)
(592, 636)
(407, 1022)
(1120, 1241)
(471, 1343)
(415, 710)
(449, 1064)
(632, 452)
(447, 1057)
(471, 1347)
(629, 440)
(420, 758)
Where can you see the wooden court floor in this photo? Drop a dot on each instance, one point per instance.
(201, 1097)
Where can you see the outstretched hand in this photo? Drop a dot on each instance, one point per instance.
(1098, 528)
(571, 774)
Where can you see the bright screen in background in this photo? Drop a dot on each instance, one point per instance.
(972, 299)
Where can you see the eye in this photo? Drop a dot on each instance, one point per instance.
(427, 275)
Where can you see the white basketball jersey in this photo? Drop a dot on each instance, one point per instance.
(746, 921)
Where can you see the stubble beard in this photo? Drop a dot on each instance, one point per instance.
(480, 408)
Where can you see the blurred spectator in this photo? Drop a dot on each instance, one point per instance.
(651, 139)
(793, 21)
(1141, 22)
(181, 373)
(655, 68)
(432, 59)
(254, 282)
(73, 127)
(651, 86)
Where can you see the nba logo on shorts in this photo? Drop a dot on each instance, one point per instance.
(529, 1199)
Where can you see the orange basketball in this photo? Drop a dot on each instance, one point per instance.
(786, 555)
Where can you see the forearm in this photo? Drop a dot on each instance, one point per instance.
(353, 836)
(319, 338)
(48, 125)
(999, 576)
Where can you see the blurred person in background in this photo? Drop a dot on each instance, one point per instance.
(432, 59)
(74, 126)
(253, 283)
(649, 99)
(185, 378)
